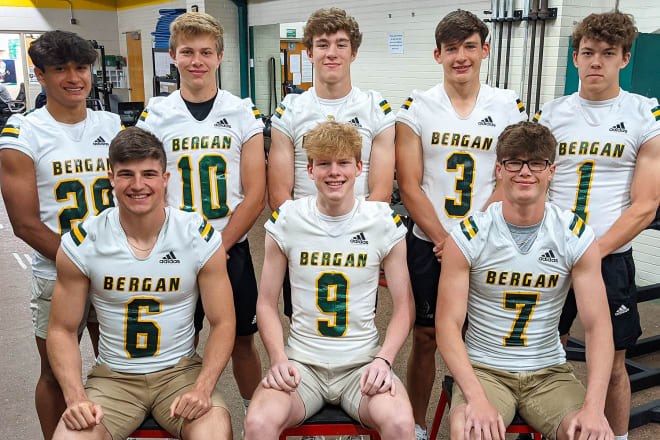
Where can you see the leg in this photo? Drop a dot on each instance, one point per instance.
(457, 422)
(617, 402)
(390, 415)
(246, 365)
(215, 424)
(421, 371)
(98, 432)
(272, 411)
(48, 397)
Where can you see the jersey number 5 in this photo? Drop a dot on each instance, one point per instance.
(213, 185)
(332, 299)
(458, 208)
(141, 337)
(524, 303)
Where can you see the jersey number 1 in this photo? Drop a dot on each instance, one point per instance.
(213, 185)
(586, 173)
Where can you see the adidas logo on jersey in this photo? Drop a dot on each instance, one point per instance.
(621, 310)
(549, 257)
(355, 121)
(620, 128)
(487, 121)
(359, 239)
(100, 142)
(222, 123)
(170, 258)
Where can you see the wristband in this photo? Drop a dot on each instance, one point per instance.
(384, 360)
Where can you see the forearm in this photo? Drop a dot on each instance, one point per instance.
(396, 333)
(599, 355)
(38, 236)
(277, 195)
(242, 220)
(423, 214)
(216, 355)
(65, 360)
(633, 221)
(270, 330)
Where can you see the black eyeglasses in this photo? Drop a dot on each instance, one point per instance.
(515, 165)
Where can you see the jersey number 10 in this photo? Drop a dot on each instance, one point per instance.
(213, 185)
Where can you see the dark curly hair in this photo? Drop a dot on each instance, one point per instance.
(612, 27)
(55, 48)
(526, 139)
(330, 21)
(459, 25)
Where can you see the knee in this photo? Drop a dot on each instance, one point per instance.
(243, 346)
(216, 423)
(257, 424)
(424, 339)
(457, 425)
(619, 372)
(400, 424)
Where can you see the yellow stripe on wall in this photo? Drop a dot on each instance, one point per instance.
(93, 5)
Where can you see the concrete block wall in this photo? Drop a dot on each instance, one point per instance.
(230, 69)
(267, 45)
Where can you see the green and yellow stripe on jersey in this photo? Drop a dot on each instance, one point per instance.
(78, 234)
(537, 116)
(656, 112)
(385, 106)
(279, 111)
(406, 105)
(206, 230)
(469, 228)
(144, 114)
(11, 131)
(520, 105)
(255, 112)
(577, 225)
(274, 216)
(397, 219)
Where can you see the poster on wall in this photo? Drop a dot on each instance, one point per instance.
(7, 72)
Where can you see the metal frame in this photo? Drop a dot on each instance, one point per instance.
(331, 420)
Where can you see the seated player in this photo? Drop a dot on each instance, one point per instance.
(333, 245)
(144, 266)
(510, 268)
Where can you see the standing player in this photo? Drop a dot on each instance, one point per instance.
(215, 153)
(54, 174)
(143, 265)
(607, 173)
(333, 245)
(445, 154)
(510, 269)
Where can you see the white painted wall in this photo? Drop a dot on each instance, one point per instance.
(143, 20)
(298, 26)
(230, 69)
(267, 45)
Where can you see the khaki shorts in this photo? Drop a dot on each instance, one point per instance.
(127, 399)
(542, 397)
(338, 384)
(42, 294)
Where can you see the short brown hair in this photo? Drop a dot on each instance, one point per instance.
(458, 26)
(331, 21)
(333, 139)
(615, 28)
(194, 24)
(134, 144)
(526, 140)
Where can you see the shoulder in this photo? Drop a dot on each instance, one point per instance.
(159, 106)
(647, 108)
(103, 117)
(553, 108)
(573, 228)
(82, 238)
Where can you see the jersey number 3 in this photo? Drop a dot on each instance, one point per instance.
(332, 299)
(460, 207)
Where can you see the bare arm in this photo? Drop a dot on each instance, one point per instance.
(410, 169)
(19, 191)
(280, 169)
(282, 375)
(218, 301)
(451, 309)
(594, 313)
(644, 197)
(253, 179)
(381, 166)
(377, 378)
(67, 310)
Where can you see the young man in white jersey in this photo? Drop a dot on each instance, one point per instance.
(143, 265)
(215, 154)
(608, 146)
(509, 268)
(54, 174)
(333, 244)
(445, 154)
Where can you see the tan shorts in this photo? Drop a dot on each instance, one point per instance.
(42, 294)
(542, 397)
(127, 399)
(338, 384)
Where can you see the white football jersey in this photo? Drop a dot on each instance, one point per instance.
(71, 174)
(458, 153)
(515, 298)
(204, 157)
(597, 148)
(334, 275)
(146, 306)
(368, 111)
